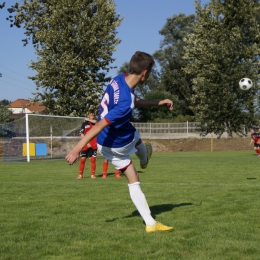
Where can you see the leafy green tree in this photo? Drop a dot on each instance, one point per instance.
(171, 61)
(4, 112)
(223, 49)
(4, 102)
(74, 41)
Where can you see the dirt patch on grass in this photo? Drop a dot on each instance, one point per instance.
(205, 144)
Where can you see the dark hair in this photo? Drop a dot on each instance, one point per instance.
(91, 111)
(141, 61)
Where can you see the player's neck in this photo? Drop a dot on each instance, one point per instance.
(132, 80)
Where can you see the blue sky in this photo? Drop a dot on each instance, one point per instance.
(143, 19)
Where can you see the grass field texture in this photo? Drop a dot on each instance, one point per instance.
(210, 198)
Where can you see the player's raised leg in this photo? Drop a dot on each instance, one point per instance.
(144, 153)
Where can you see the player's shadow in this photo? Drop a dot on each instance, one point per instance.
(156, 210)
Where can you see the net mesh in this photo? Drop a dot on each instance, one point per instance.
(49, 137)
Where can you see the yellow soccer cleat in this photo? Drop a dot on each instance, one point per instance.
(157, 227)
(149, 150)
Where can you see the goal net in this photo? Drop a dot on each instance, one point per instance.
(39, 137)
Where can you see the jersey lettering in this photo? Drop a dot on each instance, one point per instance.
(104, 103)
(115, 87)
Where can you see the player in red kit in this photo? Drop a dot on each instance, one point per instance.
(255, 137)
(89, 150)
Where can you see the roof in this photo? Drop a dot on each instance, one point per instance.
(25, 103)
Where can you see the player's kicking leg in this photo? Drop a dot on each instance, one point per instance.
(144, 153)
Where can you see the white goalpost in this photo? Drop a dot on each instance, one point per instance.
(38, 137)
(64, 128)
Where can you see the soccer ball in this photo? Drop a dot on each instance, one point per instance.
(245, 83)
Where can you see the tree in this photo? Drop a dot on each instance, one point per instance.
(171, 61)
(74, 41)
(224, 48)
(4, 112)
(4, 102)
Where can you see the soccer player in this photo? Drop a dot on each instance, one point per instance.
(90, 149)
(105, 167)
(255, 138)
(118, 138)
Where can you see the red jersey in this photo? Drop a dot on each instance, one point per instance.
(85, 127)
(255, 137)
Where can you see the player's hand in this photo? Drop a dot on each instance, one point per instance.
(166, 102)
(72, 157)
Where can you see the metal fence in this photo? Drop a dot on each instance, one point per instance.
(174, 131)
(167, 130)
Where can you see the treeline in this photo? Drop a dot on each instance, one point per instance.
(200, 60)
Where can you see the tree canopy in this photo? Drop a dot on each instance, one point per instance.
(201, 59)
(170, 58)
(4, 112)
(74, 41)
(224, 48)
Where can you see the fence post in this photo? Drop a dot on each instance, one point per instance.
(187, 129)
(211, 143)
(27, 137)
(51, 139)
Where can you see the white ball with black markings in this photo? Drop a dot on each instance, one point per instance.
(245, 83)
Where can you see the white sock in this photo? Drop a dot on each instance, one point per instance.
(141, 153)
(140, 202)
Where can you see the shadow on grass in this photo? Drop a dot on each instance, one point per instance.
(155, 210)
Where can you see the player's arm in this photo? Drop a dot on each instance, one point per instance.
(165, 102)
(88, 144)
(93, 121)
(73, 155)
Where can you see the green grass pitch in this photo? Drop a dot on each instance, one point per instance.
(210, 198)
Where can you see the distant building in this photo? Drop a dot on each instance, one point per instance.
(23, 106)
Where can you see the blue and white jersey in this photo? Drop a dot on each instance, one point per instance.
(116, 107)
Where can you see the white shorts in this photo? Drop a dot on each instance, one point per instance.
(120, 157)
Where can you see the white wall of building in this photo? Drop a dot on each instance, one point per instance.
(20, 110)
